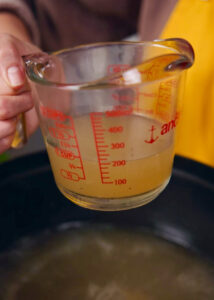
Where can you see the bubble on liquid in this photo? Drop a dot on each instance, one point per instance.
(104, 245)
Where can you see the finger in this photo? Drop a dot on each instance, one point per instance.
(7, 127)
(32, 121)
(5, 143)
(11, 106)
(11, 67)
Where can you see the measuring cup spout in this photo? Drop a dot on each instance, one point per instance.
(179, 55)
(184, 48)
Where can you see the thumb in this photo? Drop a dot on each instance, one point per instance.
(15, 76)
(11, 65)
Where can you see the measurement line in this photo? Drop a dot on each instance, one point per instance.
(97, 114)
(99, 134)
(78, 157)
(97, 118)
(75, 167)
(137, 98)
(78, 149)
(98, 131)
(97, 121)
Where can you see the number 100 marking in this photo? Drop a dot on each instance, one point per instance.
(120, 181)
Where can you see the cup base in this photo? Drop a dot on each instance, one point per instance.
(113, 204)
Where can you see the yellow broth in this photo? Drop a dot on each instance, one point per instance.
(103, 263)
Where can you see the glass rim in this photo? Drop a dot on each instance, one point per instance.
(176, 45)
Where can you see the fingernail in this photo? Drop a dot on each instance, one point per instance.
(15, 76)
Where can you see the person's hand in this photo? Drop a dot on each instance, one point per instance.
(15, 94)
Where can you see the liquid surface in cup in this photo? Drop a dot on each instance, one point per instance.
(113, 157)
(103, 263)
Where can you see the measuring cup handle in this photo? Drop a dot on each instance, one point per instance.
(20, 137)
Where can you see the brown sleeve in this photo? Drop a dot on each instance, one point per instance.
(24, 10)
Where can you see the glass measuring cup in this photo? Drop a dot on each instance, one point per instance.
(108, 113)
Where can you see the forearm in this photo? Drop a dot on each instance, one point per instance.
(11, 24)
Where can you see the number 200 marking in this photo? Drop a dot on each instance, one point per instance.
(118, 163)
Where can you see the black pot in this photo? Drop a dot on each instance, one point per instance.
(183, 213)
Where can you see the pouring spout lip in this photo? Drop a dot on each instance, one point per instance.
(36, 62)
(180, 44)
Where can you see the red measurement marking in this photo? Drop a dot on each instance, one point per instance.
(53, 114)
(117, 146)
(78, 151)
(165, 99)
(120, 181)
(152, 139)
(148, 95)
(64, 144)
(99, 139)
(64, 131)
(97, 115)
(60, 134)
(118, 163)
(137, 99)
(115, 68)
(72, 166)
(70, 175)
(116, 129)
(123, 98)
(64, 126)
(65, 154)
(118, 112)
